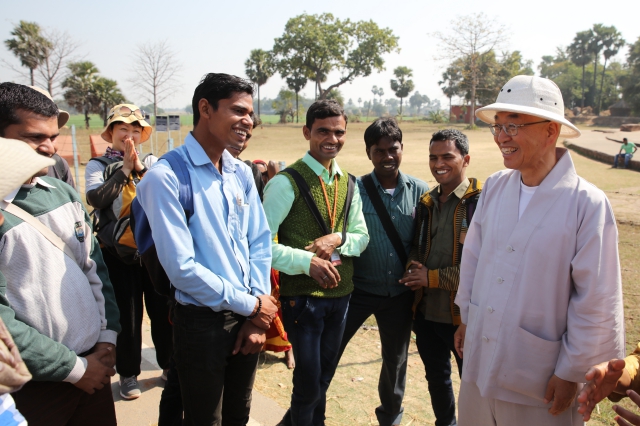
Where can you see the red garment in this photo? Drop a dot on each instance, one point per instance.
(276, 336)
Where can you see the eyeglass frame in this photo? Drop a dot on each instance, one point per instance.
(503, 127)
(131, 112)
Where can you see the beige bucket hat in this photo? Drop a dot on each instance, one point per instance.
(531, 95)
(63, 116)
(126, 113)
(18, 162)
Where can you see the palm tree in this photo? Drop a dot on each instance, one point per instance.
(612, 42)
(403, 85)
(595, 47)
(580, 54)
(107, 94)
(296, 82)
(81, 88)
(259, 67)
(29, 45)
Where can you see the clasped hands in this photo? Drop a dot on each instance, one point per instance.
(321, 268)
(415, 276)
(251, 336)
(131, 161)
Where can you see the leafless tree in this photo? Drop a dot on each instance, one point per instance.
(468, 38)
(53, 70)
(155, 72)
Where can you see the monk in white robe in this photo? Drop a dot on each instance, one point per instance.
(540, 289)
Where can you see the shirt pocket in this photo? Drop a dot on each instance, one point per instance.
(242, 216)
(527, 350)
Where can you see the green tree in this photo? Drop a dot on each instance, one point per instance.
(451, 82)
(596, 44)
(81, 86)
(631, 81)
(402, 85)
(612, 42)
(283, 105)
(581, 55)
(107, 95)
(336, 95)
(471, 37)
(296, 80)
(319, 44)
(29, 45)
(259, 68)
(417, 100)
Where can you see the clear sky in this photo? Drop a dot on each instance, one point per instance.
(217, 36)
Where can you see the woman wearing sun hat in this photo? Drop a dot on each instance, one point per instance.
(126, 130)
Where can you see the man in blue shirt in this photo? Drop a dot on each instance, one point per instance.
(378, 269)
(218, 260)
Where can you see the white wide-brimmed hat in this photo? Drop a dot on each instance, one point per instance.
(63, 116)
(18, 162)
(526, 94)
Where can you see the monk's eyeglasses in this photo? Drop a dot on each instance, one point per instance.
(510, 128)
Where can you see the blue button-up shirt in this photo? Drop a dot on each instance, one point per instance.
(379, 268)
(222, 258)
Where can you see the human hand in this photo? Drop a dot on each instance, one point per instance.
(323, 271)
(624, 414)
(250, 339)
(602, 379)
(110, 359)
(324, 246)
(130, 161)
(267, 313)
(416, 276)
(561, 392)
(458, 339)
(97, 373)
(13, 371)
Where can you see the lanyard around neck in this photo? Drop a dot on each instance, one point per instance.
(332, 217)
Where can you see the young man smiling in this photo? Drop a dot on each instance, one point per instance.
(540, 291)
(58, 302)
(443, 216)
(316, 268)
(378, 269)
(218, 260)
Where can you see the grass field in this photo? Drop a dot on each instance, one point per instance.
(352, 401)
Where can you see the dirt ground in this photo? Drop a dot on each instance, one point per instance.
(352, 397)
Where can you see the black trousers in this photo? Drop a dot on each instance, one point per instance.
(131, 283)
(216, 385)
(394, 317)
(63, 404)
(435, 345)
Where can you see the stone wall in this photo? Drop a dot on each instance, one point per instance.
(601, 156)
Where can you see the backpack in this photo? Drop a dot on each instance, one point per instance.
(141, 229)
(114, 231)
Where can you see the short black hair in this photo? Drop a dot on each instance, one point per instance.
(17, 96)
(459, 138)
(214, 87)
(324, 108)
(382, 127)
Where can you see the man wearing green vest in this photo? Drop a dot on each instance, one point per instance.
(315, 258)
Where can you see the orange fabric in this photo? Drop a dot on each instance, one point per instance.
(276, 336)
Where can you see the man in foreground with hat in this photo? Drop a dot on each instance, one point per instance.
(540, 290)
(58, 302)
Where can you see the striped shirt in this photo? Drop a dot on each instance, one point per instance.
(379, 268)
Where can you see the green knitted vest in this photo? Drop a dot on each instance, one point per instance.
(299, 229)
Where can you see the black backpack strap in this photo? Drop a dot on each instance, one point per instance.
(305, 192)
(61, 170)
(385, 219)
(351, 187)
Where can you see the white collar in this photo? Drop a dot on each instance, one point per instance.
(37, 181)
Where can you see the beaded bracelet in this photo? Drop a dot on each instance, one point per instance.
(250, 317)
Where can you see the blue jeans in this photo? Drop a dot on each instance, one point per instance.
(627, 158)
(314, 327)
(435, 344)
